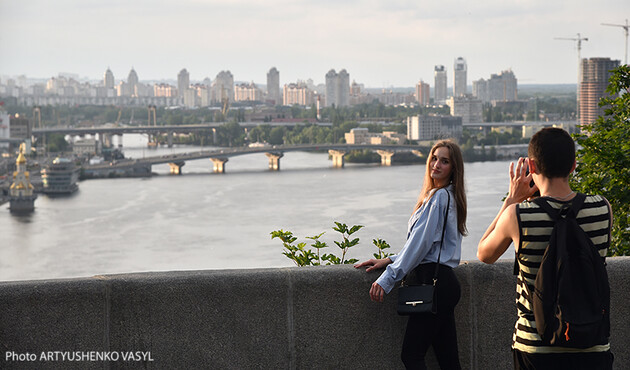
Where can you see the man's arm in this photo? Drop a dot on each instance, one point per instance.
(499, 235)
(504, 228)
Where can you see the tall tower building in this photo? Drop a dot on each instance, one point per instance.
(331, 88)
(183, 82)
(459, 77)
(595, 75)
(423, 93)
(273, 86)
(440, 84)
(343, 88)
(223, 87)
(337, 88)
(132, 79)
(108, 79)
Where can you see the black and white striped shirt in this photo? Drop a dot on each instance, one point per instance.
(535, 231)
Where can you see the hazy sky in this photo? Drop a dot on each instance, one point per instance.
(380, 43)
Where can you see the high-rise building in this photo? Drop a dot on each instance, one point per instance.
(480, 90)
(440, 87)
(108, 79)
(223, 87)
(425, 127)
(500, 87)
(297, 93)
(467, 107)
(331, 88)
(459, 77)
(337, 88)
(183, 82)
(423, 93)
(595, 74)
(273, 86)
(343, 88)
(247, 92)
(132, 79)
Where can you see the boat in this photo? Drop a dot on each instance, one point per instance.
(60, 177)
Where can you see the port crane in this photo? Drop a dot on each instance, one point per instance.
(625, 29)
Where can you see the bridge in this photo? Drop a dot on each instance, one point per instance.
(136, 167)
(106, 132)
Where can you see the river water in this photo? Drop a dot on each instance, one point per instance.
(201, 220)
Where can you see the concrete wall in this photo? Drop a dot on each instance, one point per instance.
(290, 318)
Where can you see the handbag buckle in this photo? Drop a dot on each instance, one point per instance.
(414, 303)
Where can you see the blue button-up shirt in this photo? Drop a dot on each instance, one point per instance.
(423, 239)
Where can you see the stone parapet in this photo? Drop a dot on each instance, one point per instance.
(285, 318)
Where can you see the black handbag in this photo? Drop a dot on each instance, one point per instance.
(415, 299)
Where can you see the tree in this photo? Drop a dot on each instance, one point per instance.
(604, 158)
(276, 135)
(57, 143)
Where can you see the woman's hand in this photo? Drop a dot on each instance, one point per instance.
(519, 183)
(376, 293)
(374, 264)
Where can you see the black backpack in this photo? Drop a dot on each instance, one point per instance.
(571, 299)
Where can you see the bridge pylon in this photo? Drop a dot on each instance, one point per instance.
(176, 168)
(219, 164)
(386, 157)
(337, 157)
(274, 160)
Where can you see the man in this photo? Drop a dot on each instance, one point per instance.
(551, 160)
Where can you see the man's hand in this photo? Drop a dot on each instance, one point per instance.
(519, 183)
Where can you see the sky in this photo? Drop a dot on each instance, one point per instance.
(381, 43)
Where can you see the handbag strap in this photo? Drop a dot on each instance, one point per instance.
(437, 265)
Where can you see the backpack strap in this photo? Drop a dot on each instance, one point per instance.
(571, 210)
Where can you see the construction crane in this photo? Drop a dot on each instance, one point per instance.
(625, 29)
(579, 40)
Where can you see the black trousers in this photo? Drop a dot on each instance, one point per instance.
(426, 330)
(563, 361)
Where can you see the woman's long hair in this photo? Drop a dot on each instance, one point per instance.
(457, 179)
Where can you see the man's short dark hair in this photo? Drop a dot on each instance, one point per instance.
(553, 151)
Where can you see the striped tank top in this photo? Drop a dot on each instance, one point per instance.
(535, 231)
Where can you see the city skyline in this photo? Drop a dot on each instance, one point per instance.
(380, 44)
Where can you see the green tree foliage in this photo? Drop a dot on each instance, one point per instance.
(604, 158)
(276, 135)
(57, 143)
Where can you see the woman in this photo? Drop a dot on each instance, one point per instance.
(444, 173)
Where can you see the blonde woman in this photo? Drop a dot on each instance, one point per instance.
(417, 260)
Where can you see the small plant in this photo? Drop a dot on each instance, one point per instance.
(346, 243)
(381, 245)
(296, 253)
(303, 256)
(318, 245)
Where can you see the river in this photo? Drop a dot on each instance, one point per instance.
(202, 220)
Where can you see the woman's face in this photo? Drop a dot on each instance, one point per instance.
(441, 166)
